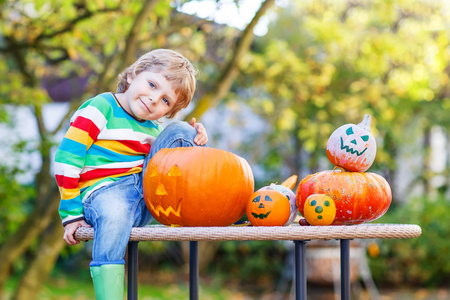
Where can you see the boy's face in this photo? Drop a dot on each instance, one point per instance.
(150, 96)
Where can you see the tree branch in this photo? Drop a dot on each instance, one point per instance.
(223, 84)
(127, 57)
(71, 24)
(130, 48)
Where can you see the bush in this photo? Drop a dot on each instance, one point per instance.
(419, 261)
(251, 263)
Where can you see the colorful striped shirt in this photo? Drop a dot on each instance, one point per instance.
(102, 145)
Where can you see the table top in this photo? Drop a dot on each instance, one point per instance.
(260, 233)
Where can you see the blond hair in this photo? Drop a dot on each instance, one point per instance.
(175, 68)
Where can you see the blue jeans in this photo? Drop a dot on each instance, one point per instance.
(114, 209)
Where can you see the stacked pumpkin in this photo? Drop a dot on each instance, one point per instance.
(347, 194)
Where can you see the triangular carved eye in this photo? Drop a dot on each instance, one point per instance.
(160, 190)
(175, 171)
(154, 173)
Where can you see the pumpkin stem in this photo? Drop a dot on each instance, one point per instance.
(341, 169)
(366, 122)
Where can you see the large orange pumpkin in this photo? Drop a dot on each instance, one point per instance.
(268, 208)
(359, 197)
(197, 186)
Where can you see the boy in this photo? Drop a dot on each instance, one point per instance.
(101, 159)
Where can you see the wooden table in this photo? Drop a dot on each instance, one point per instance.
(299, 234)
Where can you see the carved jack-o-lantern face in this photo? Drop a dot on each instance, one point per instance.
(165, 185)
(352, 147)
(319, 210)
(268, 208)
(197, 186)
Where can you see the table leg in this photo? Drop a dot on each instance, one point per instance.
(300, 270)
(193, 270)
(345, 269)
(132, 271)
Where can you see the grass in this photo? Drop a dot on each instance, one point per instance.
(70, 287)
(64, 287)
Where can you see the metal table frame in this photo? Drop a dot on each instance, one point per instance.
(298, 234)
(300, 270)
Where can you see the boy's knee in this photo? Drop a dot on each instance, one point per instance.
(182, 129)
(176, 134)
(181, 132)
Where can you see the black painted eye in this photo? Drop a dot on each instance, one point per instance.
(268, 198)
(257, 199)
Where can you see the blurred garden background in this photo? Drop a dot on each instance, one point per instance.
(275, 79)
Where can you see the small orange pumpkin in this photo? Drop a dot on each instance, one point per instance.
(359, 196)
(268, 208)
(319, 210)
(352, 147)
(197, 186)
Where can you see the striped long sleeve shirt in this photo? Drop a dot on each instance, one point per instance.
(103, 144)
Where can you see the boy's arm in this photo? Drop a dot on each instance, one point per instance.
(202, 137)
(70, 160)
(69, 231)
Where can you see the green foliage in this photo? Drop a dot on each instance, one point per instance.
(15, 201)
(342, 60)
(322, 64)
(421, 261)
(68, 286)
(251, 262)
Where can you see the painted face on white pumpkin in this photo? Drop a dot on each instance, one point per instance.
(352, 147)
(352, 143)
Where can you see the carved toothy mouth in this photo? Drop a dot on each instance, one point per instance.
(351, 150)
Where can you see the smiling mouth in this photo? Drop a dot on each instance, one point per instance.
(351, 150)
(145, 105)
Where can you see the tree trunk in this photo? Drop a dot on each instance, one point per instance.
(426, 161)
(223, 84)
(16, 245)
(40, 267)
(131, 43)
(207, 250)
(391, 148)
(47, 203)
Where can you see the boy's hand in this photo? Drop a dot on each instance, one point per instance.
(202, 137)
(69, 231)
